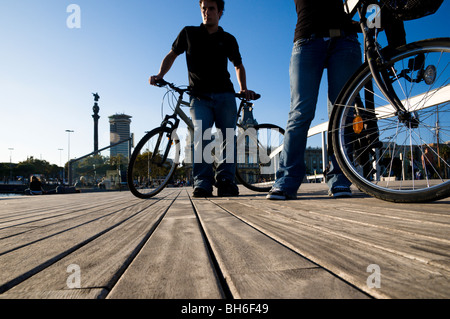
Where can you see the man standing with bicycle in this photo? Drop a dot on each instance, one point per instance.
(324, 39)
(208, 49)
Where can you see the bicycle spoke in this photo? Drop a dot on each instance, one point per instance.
(386, 157)
(153, 162)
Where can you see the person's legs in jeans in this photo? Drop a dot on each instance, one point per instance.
(221, 110)
(203, 117)
(225, 116)
(306, 69)
(344, 59)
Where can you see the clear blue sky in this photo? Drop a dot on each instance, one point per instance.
(48, 70)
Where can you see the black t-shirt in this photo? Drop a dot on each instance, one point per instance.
(207, 58)
(318, 17)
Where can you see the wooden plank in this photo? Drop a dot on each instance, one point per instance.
(65, 238)
(96, 293)
(27, 206)
(47, 227)
(256, 266)
(101, 261)
(338, 247)
(174, 263)
(23, 205)
(416, 237)
(53, 213)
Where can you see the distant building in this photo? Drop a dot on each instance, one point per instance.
(313, 160)
(119, 125)
(247, 154)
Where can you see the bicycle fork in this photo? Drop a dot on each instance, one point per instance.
(382, 77)
(170, 125)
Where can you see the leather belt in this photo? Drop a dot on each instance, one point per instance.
(332, 33)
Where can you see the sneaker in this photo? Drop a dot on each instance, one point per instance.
(226, 188)
(340, 191)
(278, 194)
(201, 192)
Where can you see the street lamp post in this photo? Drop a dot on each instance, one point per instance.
(68, 142)
(10, 162)
(60, 163)
(69, 175)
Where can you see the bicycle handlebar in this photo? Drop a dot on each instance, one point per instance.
(162, 83)
(242, 96)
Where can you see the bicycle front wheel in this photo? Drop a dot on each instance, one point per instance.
(394, 156)
(258, 156)
(153, 162)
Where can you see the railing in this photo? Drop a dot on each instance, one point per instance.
(321, 129)
(90, 175)
(419, 102)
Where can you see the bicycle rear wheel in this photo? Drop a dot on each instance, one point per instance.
(153, 162)
(258, 154)
(380, 150)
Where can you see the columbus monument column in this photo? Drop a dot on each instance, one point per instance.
(95, 116)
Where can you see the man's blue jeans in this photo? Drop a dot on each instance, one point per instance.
(341, 57)
(219, 109)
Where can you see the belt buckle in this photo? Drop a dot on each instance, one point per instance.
(335, 33)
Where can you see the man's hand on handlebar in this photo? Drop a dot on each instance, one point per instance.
(155, 80)
(249, 95)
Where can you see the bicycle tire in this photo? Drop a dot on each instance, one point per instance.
(254, 169)
(371, 160)
(147, 175)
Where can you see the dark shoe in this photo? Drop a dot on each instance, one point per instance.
(226, 188)
(340, 191)
(201, 192)
(279, 194)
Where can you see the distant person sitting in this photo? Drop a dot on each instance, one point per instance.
(428, 162)
(36, 186)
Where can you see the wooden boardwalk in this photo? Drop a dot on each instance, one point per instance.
(113, 245)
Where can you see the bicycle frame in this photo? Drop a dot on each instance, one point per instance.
(179, 112)
(172, 121)
(375, 59)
